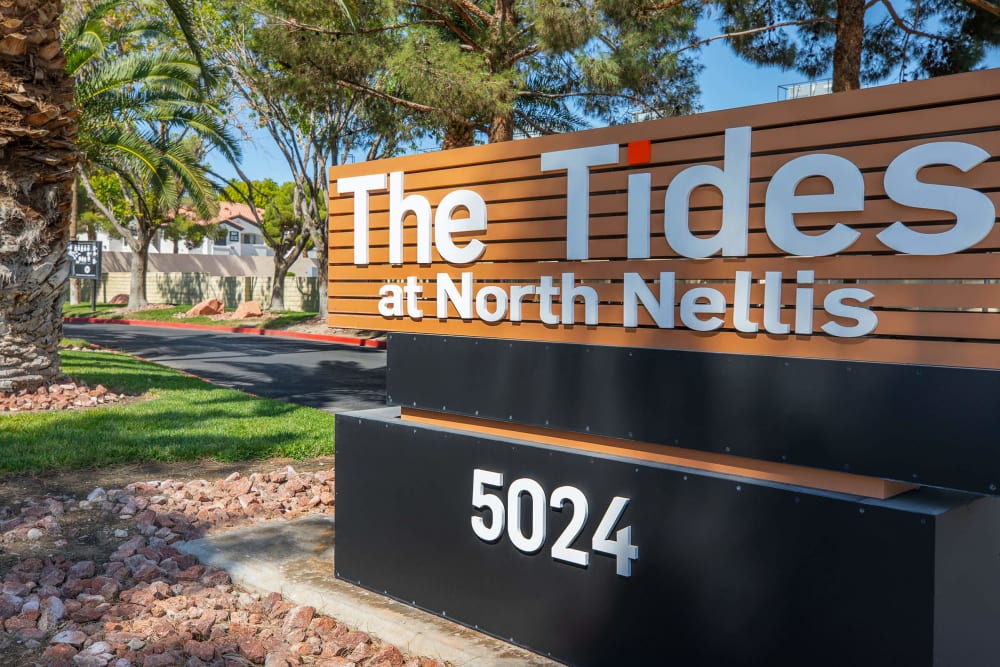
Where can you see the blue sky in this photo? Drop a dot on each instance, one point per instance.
(726, 82)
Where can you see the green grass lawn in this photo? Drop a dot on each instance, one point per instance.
(183, 419)
(108, 311)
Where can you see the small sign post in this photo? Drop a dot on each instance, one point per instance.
(85, 264)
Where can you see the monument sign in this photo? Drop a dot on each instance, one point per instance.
(718, 389)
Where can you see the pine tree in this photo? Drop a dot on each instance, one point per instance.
(495, 66)
(861, 41)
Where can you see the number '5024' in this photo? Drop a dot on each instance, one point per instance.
(531, 538)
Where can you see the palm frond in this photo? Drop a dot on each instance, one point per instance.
(165, 71)
(208, 125)
(183, 164)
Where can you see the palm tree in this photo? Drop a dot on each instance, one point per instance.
(37, 159)
(144, 117)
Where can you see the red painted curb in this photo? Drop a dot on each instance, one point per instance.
(347, 340)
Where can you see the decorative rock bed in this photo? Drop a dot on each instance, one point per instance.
(68, 395)
(143, 602)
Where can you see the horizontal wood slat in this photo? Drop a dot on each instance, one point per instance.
(781, 473)
(758, 244)
(878, 214)
(973, 325)
(972, 266)
(888, 350)
(944, 91)
(984, 176)
(921, 319)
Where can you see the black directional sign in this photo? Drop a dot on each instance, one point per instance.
(85, 259)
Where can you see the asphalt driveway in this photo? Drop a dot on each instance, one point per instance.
(328, 376)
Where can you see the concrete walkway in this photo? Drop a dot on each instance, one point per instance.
(295, 558)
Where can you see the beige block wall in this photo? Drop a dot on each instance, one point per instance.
(190, 288)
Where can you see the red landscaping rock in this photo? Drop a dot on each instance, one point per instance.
(60, 396)
(119, 300)
(298, 619)
(146, 604)
(71, 637)
(206, 307)
(249, 309)
(387, 657)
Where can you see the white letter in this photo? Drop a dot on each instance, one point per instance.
(570, 292)
(638, 215)
(734, 182)
(661, 311)
(545, 293)
(517, 294)
(391, 303)
(446, 291)
(834, 304)
(741, 303)
(360, 186)
(772, 304)
(804, 303)
(690, 308)
(577, 163)
(974, 212)
(413, 290)
(398, 208)
(483, 303)
(781, 204)
(445, 226)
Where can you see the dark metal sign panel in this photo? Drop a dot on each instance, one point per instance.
(927, 425)
(85, 259)
(602, 562)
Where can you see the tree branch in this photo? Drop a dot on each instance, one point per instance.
(907, 29)
(987, 7)
(666, 5)
(305, 27)
(416, 106)
(92, 196)
(752, 31)
(448, 23)
(521, 55)
(467, 7)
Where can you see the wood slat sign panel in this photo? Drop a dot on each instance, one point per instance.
(858, 226)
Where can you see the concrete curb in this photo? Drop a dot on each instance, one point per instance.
(295, 558)
(347, 340)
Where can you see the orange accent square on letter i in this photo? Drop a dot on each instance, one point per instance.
(639, 151)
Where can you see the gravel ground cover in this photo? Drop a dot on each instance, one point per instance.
(94, 579)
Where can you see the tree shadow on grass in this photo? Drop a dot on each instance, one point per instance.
(126, 374)
(218, 427)
(328, 382)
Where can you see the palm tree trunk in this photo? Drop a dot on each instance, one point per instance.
(74, 217)
(502, 127)
(458, 135)
(37, 158)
